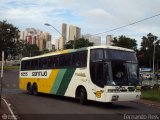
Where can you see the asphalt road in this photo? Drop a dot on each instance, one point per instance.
(45, 106)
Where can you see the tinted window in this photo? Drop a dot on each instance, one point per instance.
(51, 62)
(97, 54)
(67, 60)
(40, 63)
(83, 58)
(23, 65)
(120, 55)
(77, 59)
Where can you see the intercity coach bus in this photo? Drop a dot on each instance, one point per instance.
(98, 73)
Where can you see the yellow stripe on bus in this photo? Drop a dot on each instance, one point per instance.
(44, 84)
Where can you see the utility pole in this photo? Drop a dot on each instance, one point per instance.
(154, 58)
(1, 78)
(63, 38)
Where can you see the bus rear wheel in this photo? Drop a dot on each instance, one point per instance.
(29, 88)
(35, 89)
(83, 96)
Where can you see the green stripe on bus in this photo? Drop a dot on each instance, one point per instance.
(65, 82)
(58, 81)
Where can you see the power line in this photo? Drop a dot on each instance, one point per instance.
(128, 24)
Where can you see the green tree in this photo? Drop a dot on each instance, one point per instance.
(145, 54)
(19, 47)
(8, 37)
(126, 42)
(44, 51)
(81, 42)
(30, 50)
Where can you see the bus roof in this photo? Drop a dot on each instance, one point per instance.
(76, 50)
(111, 47)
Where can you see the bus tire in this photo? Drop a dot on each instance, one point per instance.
(83, 96)
(29, 88)
(35, 89)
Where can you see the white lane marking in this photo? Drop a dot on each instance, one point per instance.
(11, 111)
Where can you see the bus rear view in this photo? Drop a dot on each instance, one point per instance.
(115, 72)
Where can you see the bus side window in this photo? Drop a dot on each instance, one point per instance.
(75, 59)
(41, 63)
(51, 62)
(83, 59)
(34, 64)
(62, 61)
(97, 54)
(56, 61)
(23, 65)
(67, 60)
(28, 65)
(45, 63)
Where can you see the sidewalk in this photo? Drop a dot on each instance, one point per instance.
(148, 102)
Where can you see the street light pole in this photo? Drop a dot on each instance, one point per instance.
(1, 78)
(154, 57)
(47, 24)
(53, 28)
(154, 43)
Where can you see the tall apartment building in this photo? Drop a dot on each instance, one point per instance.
(59, 44)
(71, 32)
(64, 32)
(31, 35)
(74, 32)
(109, 40)
(34, 36)
(41, 43)
(95, 39)
(48, 38)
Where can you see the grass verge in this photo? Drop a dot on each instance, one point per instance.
(153, 94)
(11, 67)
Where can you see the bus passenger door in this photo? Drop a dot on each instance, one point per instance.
(99, 81)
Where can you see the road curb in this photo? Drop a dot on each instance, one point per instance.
(7, 112)
(3, 108)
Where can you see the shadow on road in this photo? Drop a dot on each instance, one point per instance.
(116, 105)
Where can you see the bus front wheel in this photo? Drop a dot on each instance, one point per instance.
(83, 96)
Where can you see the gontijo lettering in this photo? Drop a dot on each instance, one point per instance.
(44, 73)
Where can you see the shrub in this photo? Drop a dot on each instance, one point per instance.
(156, 87)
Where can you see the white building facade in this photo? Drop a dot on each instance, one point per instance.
(95, 39)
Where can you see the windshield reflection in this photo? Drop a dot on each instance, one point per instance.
(124, 73)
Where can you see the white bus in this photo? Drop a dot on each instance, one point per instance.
(98, 73)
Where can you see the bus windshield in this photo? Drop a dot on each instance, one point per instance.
(122, 67)
(120, 55)
(124, 73)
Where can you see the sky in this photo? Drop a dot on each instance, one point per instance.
(91, 16)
